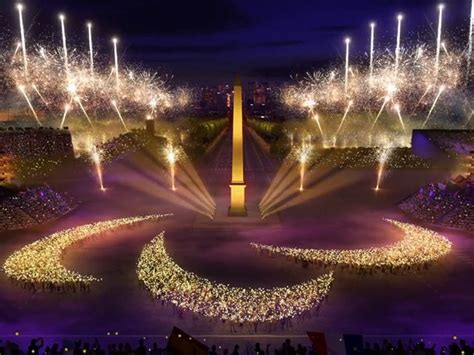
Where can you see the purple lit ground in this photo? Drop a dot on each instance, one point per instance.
(434, 302)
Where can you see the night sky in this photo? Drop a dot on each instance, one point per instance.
(208, 41)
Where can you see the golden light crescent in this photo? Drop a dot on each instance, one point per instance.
(419, 246)
(169, 282)
(41, 261)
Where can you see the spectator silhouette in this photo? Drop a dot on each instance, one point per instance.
(155, 350)
(35, 345)
(141, 350)
(213, 350)
(77, 347)
(300, 350)
(236, 350)
(466, 349)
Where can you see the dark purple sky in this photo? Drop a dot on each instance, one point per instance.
(207, 41)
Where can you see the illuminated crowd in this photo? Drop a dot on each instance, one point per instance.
(124, 144)
(168, 282)
(32, 207)
(418, 247)
(443, 204)
(39, 264)
(367, 158)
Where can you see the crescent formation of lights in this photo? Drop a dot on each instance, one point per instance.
(169, 282)
(41, 261)
(419, 246)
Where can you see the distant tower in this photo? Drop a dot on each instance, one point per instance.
(237, 185)
(150, 125)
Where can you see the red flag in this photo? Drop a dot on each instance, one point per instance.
(181, 343)
(319, 342)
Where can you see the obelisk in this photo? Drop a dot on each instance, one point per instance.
(237, 185)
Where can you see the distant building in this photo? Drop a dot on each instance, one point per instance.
(209, 97)
(42, 141)
(257, 93)
(260, 94)
(213, 101)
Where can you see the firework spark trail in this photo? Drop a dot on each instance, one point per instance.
(471, 40)
(428, 89)
(346, 80)
(411, 86)
(397, 49)
(22, 90)
(78, 100)
(45, 62)
(15, 52)
(302, 170)
(371, 62)
(385, 102)
(469, 119)
(97, 159)
(67, 107)
(35, 88)
(303, 157)
(316, 118)
(23, 41)
(172, 157)
(438, 40)
(114, 104)
(440, 91)
(62, 18)
(344, 117)
(114, 41)
(397, 109)
(383, 158)
(443, 45)
(91, 50)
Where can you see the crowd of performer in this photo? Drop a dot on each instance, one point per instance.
(449, 205)
(33, 206)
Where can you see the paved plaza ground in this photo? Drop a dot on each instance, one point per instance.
(438, 301)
